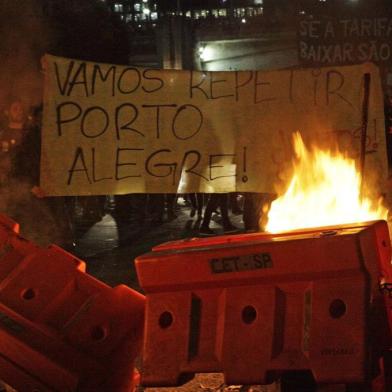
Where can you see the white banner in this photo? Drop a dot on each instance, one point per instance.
(111, 129)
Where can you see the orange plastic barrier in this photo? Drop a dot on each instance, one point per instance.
(257, 305)
(60, 328)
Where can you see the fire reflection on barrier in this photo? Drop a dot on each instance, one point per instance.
(60, 328)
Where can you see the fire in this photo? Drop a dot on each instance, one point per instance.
(324, 190)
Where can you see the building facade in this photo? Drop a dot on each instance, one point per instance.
(141, 12)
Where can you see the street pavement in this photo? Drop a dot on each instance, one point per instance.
(109, 247)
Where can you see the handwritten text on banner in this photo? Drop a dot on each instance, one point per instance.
(111, 129)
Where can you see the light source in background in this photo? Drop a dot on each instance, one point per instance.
(146, 11)
(206, 53)
(243, 20)
(118, 7)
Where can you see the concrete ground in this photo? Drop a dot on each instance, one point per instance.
(110, 250)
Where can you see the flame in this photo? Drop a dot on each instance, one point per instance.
(325, 190)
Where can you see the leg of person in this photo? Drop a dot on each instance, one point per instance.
(228, 227)
(171, 203)
(140, 204)
(212, 204)
(249, 216)
(193, 201)
(234, 206)
(156, 202)
(122, 208)
(200, 204)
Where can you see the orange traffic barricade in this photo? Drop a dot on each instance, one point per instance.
(256, 306)
(60, 328)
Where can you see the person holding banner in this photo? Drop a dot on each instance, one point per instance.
(12, 133)
(43, 220)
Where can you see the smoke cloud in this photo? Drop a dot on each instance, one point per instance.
(28, 29)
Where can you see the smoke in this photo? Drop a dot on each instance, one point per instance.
(23, 41)
(37, 219)
(85, 30)
(25, 37)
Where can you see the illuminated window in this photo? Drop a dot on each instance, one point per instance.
(188, 14)
(223, 12)
(197, 14)
(249, 11)
(203, 13)
(154, 15)
(215, 13)
(239, 12)
(138, 7)
(258, 2)
(118, 7)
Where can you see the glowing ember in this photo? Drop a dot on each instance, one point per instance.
(324, 191)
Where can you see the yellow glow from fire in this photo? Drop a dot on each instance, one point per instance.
(324, 190)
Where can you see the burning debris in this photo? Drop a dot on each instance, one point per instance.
(325, 190)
